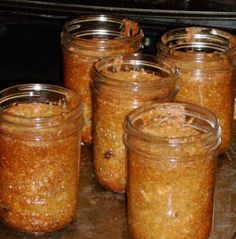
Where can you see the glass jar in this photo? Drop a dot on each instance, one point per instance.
(85, 40)
(119, 85)
(40, 127)
(172, 150)
(206, 73)
(232, 57)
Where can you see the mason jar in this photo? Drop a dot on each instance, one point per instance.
(172, 149)
(86, 39)
(206, 72)
(232, 57)
(120, 85)
(40, 127)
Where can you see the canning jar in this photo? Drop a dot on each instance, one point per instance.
(232, 57)
(172, 150)
(40, 127)
(85, 40)
(206, 72)
(119, 85)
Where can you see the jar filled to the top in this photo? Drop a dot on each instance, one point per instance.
(172, 149)
(120, 85)
(205, 71)
(40, 128)
(84, 41)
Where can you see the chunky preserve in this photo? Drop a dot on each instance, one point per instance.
(205, 69)
(87, 39)
(39, 155)
(171, 171)
(120, 85)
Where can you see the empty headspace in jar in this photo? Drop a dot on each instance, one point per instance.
(101, 25)
(101, 32)
(198, 39)
(135, 68)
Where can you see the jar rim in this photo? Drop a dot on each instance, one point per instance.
(31, 90)
(192, 109)
(197, 40)
(67, 36)
(140, 60)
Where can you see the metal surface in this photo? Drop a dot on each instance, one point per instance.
(211, 7)
(102, 214)
(154, 9)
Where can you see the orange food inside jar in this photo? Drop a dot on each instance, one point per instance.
(87, 39)
(39, 159)
(171, 171)
(205, 70)
(120, 85)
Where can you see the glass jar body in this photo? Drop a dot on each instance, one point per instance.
(87, 39)
(205, 70)
(116, 92)
(170, 181)
(39, 157)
